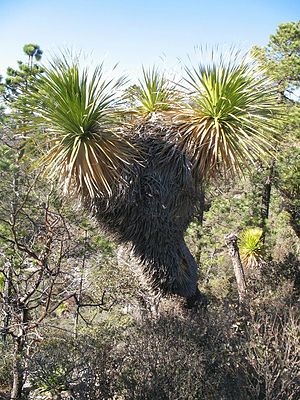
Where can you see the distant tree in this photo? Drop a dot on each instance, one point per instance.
(281, 60)
(14, 96)
(34, 52)
(2, 108)
(19, 81)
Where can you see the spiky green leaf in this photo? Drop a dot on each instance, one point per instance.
(229, 119)
(153, 94)
(80, 116)
(251, 247)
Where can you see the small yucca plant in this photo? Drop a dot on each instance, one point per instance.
(251, 247)
(153, 94)
(227, 120)
(79, 115)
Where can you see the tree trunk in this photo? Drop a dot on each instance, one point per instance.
(6, 301)
(79, 297)
(9, 269)
(266, 198)
(18, 356)
(231, 243)
(18, 371)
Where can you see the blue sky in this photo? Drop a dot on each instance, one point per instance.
(133, 32)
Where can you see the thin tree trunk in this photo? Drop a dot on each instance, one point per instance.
(79, 298)
(231, 243)
(9, 269)
(18, 371)
(6, 301)
(266, 197)
(18, 356)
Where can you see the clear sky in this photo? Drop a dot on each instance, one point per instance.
(133, 32)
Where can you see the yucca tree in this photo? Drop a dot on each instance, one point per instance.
(140, 180)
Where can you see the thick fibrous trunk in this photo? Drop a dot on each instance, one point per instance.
(152, 211)
(231, 243)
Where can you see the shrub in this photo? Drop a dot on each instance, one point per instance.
(78, 366)
(176, 358)
(272, 357)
